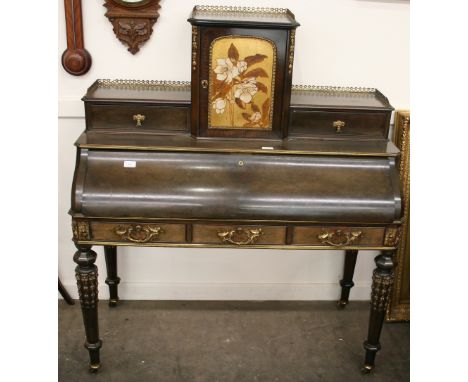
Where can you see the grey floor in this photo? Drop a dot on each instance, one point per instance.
(230, 341)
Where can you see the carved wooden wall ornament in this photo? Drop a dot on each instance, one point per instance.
(76, 60)
(132, 20)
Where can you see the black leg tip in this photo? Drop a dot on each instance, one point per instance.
(341, 304)
(113, 302)
(367, 369)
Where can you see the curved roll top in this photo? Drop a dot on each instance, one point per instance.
(187, 185)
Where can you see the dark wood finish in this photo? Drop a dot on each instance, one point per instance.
(211, 23)
(132, 22)
(382, 282)
(309, 235)
(210, 234)
(108, 231)
(399, 306)
(65, 294)
(110, 253)
(359, 112)
(347, 281)
(87, 281)
(76, 60)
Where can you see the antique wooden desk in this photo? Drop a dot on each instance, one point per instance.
(159, 166)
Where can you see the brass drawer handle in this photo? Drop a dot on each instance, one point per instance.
(139, 118)
(338, 125)
(138, 233)
(240, 236)
(339, 238)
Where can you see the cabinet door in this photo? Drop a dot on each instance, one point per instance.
(241, 82)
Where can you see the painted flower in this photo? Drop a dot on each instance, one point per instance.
(226, 70)
(255, 117)
(219, 104)
(246, 90)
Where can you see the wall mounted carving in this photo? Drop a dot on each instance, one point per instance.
(132, 20)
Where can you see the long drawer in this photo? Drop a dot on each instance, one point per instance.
(138, 117)
(305, 122)
(233, 235)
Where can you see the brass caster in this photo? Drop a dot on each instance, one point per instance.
(367, 369)
(93, 368)
(341, 304)
(113, 302)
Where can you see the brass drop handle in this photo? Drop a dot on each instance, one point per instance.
(338, 125)
(240, 236)
(139, 118)
(138, 233)
(339, 238)
(204, 84)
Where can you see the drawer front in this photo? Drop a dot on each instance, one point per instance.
(338, 236)
(138, 117)
(238, 235)
(138, 233)
(339, 124)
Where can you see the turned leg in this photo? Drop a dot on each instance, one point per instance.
(347, 281)
(112, 279)
(86, 277)
(382, 281)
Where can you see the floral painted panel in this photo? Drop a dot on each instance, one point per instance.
(242, 72)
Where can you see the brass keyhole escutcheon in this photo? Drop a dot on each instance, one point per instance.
(204, 84)
(139, 118)
(338, 125)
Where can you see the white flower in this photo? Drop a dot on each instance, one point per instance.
(246, 90)
(219, 104)
(242, 66)
(255, 117)
(225, 70)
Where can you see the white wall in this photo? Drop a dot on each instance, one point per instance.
(340, 42)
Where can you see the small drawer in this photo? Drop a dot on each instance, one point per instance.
(138, 233)
(339, 124)
(238, 235)
(137, 117)
(339, 236)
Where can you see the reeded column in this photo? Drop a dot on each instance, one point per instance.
(87, 280)
(382, 282)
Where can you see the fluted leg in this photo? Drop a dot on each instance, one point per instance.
(347, 281)
(382, 282)
(112, 279)
(86, 277)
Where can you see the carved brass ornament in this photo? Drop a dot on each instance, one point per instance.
(291, 50)
(381, 287)
(392, 237)
(194, 47)
(139, 233)
(339, 238)
(81, 230)
(240, 236)
(139, 118)
(338, 125)
(88, 288)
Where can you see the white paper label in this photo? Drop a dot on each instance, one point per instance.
(267, 148)
(129, 163)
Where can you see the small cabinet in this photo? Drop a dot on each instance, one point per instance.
(242, 62)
